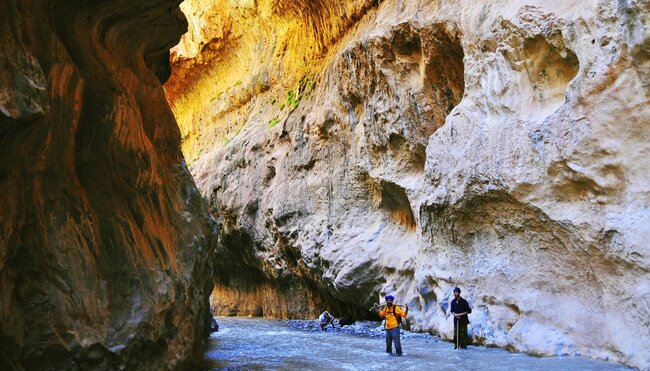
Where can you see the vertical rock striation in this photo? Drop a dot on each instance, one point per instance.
(104, 239)
(497, 146)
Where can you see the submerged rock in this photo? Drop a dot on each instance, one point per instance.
(214, 325)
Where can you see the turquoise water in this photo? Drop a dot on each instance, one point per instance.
(266, 344)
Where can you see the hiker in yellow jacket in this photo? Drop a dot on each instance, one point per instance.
(393, 315)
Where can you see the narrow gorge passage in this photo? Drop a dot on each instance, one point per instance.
(162, 161)
(354, 149)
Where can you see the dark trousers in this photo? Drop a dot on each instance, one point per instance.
(460, 334)
(392, 336)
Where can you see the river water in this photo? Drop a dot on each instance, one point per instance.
(266, 344)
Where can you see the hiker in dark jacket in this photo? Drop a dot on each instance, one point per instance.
(460, 308)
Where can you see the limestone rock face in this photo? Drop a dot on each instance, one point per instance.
(104, 239)
(410, 147)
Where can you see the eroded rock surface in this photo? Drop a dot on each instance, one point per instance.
(104, 240)
(410, 147)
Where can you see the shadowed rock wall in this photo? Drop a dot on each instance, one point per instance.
(104, 240)
(414, 146)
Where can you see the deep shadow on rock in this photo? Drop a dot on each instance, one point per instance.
(105, 243)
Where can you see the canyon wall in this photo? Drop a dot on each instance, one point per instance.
(353, 149)
(104, 239)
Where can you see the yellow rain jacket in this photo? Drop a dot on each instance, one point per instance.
(390, 315)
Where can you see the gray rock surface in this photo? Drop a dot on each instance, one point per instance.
(497, 146)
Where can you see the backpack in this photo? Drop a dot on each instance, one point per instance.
(399, 318)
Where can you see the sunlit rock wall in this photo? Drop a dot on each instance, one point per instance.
(408, 147)
(104, 240)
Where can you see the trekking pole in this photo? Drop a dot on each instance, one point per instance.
(457, 333)
(376, 305)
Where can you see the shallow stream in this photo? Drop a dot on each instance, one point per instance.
(266, 344)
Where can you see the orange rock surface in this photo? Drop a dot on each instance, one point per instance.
(104, 239)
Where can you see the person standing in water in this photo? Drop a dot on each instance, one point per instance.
(324, 319)
(393, 315)
(460, 308)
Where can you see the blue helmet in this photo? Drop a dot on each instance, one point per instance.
(389, 297)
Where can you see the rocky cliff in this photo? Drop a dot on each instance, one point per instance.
(352, 149)
(104, 239)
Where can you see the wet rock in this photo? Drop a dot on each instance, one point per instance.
(345, 321)
(214, 325)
